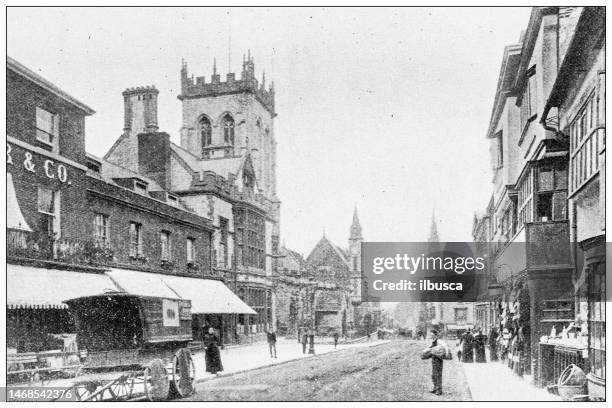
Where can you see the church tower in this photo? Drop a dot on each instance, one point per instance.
(227, 119)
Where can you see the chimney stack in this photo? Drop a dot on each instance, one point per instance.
(140, 110)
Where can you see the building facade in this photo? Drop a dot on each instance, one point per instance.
(78, 225)
(575, 108)
(547, 140)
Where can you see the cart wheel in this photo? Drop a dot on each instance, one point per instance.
(156, 384)
(183, 373)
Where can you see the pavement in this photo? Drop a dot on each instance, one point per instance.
(494, 381)
(257, 355)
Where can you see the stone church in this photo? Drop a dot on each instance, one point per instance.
(224, 169)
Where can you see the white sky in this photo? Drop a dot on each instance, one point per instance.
(383, 108)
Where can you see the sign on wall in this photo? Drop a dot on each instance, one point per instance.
(171, 313)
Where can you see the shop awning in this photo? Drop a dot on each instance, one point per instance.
(14, 217)
(459, 326)
(207, 295)
(34, 287)
(139, 283)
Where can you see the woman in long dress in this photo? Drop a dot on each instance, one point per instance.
(467, 351)
(479, 347)
(493, 343)
(212, 356)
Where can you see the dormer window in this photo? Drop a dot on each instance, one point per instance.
(140, 188)
(205, 131)
(228, 129)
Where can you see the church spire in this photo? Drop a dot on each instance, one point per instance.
(433, 232)
(355, 228)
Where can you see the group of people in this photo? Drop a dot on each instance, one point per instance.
(473, 347)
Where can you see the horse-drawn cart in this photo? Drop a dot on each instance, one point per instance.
(136, 347)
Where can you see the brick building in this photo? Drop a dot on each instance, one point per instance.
(78, 225)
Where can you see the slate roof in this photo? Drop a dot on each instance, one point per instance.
(222, 167)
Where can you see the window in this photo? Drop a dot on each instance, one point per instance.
(250, 238)
(228, 130)
(190, 250)
(205, 131)
(461, 316)
(46, 201)
(551, 192)
(500, 149)
(584, 145)
(597, 318)
(172, 200)
(166, 246)
(101, 228)
(525, 201)
(47, 126)
(529, 98)
(135, 239)
(49, 207)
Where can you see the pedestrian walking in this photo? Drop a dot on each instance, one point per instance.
(479, 347)
(212, 355)
(272, 342)
(304, 342)
(437, 365)
(336, 336)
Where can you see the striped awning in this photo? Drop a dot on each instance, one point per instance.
(41, 288)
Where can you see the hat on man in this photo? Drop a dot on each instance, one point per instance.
(434, 332)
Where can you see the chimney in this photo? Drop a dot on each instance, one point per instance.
(140, 110)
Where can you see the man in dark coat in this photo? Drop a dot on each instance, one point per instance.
(271, 342)
(304, 341)
(212, 355)
(479, 347)
(436, 367)
(493, 343)
(467, 343)
(336, 336)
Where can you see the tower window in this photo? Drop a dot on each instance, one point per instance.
(205, 131)
(228, 130)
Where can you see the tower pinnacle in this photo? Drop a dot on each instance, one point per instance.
(433, 232)
(355, 227)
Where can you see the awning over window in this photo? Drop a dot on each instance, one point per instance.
(142, 283)
(207, 295)
(33, 287)
(14, 217)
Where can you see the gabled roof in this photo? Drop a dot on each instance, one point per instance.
(222, 167)
(323, 242)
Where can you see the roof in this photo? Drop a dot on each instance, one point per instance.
(30, 75)
(339, 252)
(35, 287)
(109, 171)
(222, 167)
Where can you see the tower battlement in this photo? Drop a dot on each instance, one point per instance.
(197, 87)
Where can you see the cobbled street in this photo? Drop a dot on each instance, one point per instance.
(389, 372)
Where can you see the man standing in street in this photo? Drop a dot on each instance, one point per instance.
(436, 367)
(272, 342)
(304, 341)
(336, 335)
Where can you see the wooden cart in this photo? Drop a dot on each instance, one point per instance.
(136, 347)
